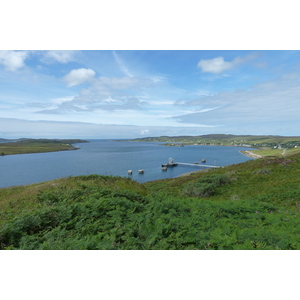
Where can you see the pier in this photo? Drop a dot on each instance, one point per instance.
(172, 163)
(197, 165)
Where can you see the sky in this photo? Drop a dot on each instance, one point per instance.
(115, 94)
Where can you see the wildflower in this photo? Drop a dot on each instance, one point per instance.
(256, 212)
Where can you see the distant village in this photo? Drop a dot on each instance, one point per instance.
(269, 142)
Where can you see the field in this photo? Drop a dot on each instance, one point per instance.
(253, 205)
(256, 141)
(277, 152)
(25, 146)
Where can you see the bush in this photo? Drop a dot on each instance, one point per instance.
(205, 187)
(263, 171)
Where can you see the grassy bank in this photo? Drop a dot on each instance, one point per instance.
(276, 152)
(253, 205)
(25, 146)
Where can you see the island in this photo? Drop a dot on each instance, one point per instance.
(25, 146)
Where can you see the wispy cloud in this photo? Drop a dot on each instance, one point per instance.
(122, 65)
(61, 56)
(273, 102)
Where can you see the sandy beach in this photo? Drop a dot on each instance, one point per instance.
(251, 154)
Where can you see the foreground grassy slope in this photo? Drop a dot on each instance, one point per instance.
(253, 205)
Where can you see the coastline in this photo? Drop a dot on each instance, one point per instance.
(250, 154)
(244, 152)
(32, 146)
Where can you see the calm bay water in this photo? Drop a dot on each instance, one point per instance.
(112, 158)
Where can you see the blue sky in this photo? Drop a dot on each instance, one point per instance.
(114, 94)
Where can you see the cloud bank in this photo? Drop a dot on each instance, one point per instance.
(17, 128)
(270, 106)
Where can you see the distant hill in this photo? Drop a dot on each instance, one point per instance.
(5, 140)
(24, 145)
(257, 141)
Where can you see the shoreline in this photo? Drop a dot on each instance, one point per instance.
(33, 146)
(247, 153)
(250, 154)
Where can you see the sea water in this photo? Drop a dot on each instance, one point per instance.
(115, 158)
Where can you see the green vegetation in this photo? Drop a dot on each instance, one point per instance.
(277, 152)
(24, 146)
(253, 205)
(256, 141)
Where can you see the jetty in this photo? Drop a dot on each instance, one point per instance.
(172, 163)
(196, 165)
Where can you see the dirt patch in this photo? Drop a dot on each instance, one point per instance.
(278, 161)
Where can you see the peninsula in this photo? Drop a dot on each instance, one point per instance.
(25, 146)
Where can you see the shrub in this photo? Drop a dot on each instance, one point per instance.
(206, 186)
(263, 171)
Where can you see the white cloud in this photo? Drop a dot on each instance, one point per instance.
(79, 76)
(219, 65)
(215, 65)
(61, 56)
(13, 60)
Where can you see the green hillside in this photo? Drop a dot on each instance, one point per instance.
(24, 146)
(257, 141)
(253, 205)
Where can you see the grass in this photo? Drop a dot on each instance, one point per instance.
(36, 146)
(277, 152)
(253, 205)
